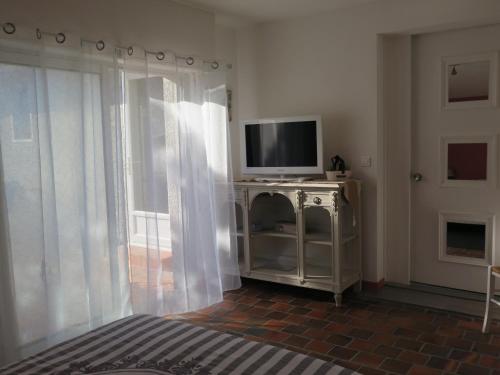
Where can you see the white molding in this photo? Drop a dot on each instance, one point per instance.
(446, 61)
(491, 160)
(467, 218)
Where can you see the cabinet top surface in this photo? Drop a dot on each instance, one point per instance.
(325, 184)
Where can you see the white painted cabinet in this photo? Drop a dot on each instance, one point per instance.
(304, 234)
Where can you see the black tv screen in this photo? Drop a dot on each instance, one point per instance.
(281, 144)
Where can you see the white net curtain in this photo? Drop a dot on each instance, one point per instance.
(179, 184)
(115, 189)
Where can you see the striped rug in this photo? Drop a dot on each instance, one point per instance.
(144, 344)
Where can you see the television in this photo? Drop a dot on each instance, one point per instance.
(282, 146)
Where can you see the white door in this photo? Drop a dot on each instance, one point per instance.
(456, 122)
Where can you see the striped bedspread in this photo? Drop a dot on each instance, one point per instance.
(144, 344)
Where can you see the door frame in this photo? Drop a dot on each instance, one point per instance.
(394, 143)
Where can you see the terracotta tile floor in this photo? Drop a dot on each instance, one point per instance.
(144, 269)
(371, 337)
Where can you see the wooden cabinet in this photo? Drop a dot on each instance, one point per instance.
(305, 234)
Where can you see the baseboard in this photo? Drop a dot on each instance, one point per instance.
(373, 285)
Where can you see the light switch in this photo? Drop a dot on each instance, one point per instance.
(366, 161)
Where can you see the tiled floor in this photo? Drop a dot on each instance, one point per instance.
(370, 337)
(144, 268)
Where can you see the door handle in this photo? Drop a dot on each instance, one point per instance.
(417, 177)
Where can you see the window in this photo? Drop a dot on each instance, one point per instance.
(148, 144)
(18, 104)
(468, 160)
(466, 240)
(469, 81)
(47, 162)
(22, 125)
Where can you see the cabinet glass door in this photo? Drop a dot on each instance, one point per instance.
(273, 235)
(318, 243)
(240, 239)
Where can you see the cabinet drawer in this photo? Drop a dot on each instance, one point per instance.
(317, 199)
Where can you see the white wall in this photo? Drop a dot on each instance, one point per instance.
(327, 64)
(155, 24)
(247, 94)
(226, 50)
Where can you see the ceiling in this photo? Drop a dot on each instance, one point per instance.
(256, 11)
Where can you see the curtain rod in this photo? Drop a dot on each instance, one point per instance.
(10, 28)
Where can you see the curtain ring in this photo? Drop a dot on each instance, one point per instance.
(160, 55)
(130, 51)
(189, 60)
(60, 38)
(215, 65)
(100, 45)
(9, 28)
(38, 34)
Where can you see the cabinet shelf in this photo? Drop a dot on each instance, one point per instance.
(282, 266)
(317, 272)
(319, 239)
(275, 272)
(273, 233)
(349, 239)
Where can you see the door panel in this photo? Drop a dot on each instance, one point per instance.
(454, 149)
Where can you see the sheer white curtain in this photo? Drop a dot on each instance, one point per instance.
(115, 189)
(64, 252)
(182, 222)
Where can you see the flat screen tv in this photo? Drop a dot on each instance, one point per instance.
(282, 146)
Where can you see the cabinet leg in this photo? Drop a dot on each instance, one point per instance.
(338, 299)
